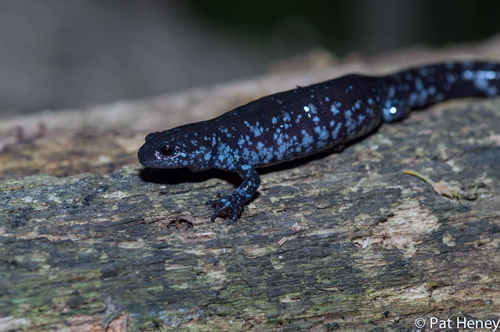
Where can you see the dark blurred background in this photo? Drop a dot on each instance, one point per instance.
(63, 54)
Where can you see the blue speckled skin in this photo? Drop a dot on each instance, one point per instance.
(307, 120)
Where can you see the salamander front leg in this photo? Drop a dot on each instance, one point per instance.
(232, 206)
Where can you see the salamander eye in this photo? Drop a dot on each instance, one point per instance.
(151, 136)
(167, 151)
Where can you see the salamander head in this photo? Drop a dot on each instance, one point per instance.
(175, 148)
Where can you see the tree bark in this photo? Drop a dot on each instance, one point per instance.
(124, 246)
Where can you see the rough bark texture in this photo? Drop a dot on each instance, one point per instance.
(377, 249)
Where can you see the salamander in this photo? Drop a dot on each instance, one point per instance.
(308, 120)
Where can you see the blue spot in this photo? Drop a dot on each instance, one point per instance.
(422, 99)
(468, 74)
(423, 72)
(312, 108)
(334, 109)
(307, 139)
(322, 132)
(418, 84)
(335, 133)
(413, 99)
(392, 91)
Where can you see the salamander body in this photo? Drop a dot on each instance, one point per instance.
(307, 120)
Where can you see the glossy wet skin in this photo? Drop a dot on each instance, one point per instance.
(307, 120)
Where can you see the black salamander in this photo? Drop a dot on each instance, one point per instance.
(307, 120)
